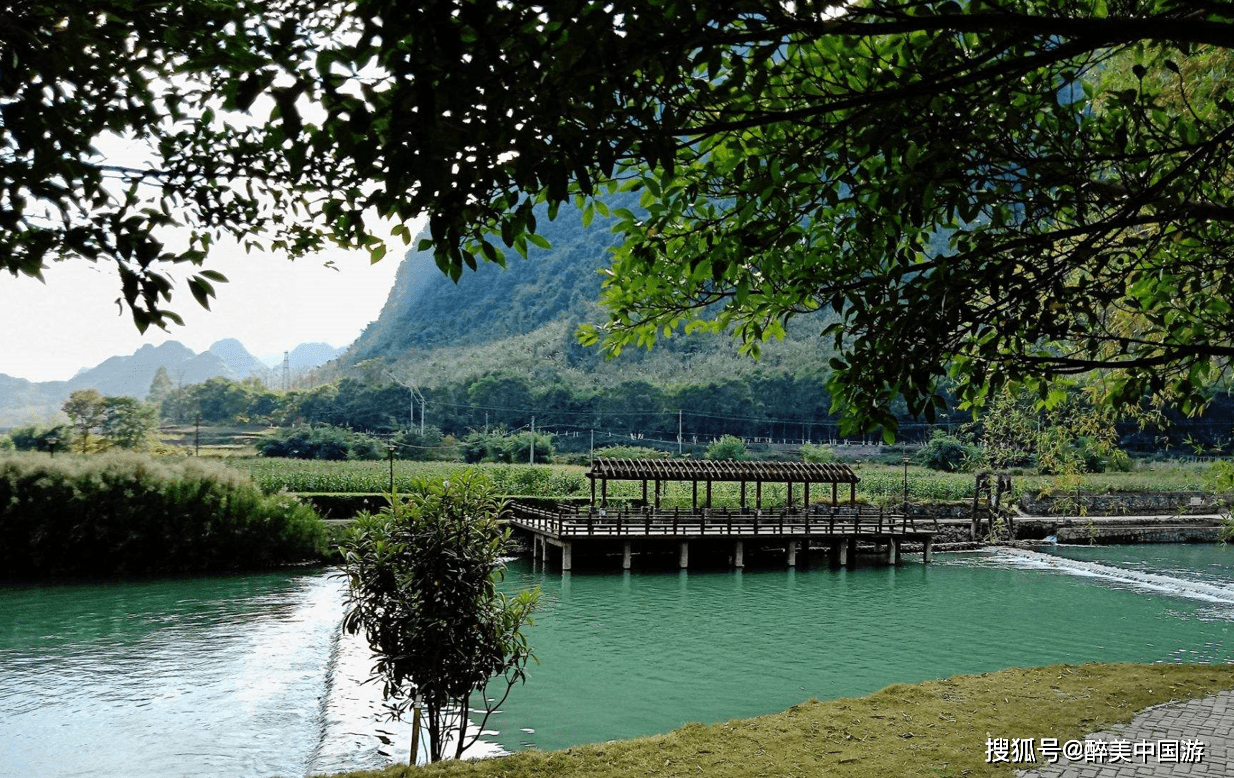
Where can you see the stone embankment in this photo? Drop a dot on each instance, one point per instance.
(1148, 517)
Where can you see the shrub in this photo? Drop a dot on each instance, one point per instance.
(728, 447)
(35, 438)
(323, 442)
(129, 513)
(813, 453)
(631, 452)
(948, 453)
(421, 447)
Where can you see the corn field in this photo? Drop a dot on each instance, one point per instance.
(880, 484)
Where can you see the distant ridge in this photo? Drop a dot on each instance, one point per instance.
(27, 402)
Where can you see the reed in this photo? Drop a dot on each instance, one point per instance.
(123, 513)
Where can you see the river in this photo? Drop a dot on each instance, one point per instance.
(248, 677)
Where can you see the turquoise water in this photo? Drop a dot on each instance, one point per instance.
(246, 676)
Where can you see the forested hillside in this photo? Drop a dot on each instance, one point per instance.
(426, 310)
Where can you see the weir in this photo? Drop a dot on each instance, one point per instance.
(647, 526)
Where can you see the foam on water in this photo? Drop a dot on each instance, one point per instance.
(1154, 582)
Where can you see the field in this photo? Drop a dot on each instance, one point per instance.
(880, 484)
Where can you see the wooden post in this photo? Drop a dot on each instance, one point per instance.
(792, 553)
(893, 550)
(929, 550)
(683, 558)
(644, 491)
(835, 491)
(758, 495)
(805, 499)
(604, 493)
(789, 501)
(708, 493)
(566, 557)
(694, 497)
(739, 554)
(592, 478)
(851, 549)
(625, 555)
(743, 495)
(657, 494)
(852, 494)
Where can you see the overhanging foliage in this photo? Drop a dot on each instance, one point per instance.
(954, 179)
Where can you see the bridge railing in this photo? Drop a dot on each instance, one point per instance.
(857, 520)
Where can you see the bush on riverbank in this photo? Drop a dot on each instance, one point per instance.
(127, 513)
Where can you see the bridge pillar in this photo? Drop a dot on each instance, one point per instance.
(566, 556)
(625, 556)
(837, 550)
(792, 553)
(851, 545)
(683, 559)
(739, 554)
(929, 549)
(893, 551)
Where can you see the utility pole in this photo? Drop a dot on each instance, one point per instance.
(412, 391)
(391, 450)
(197, 437)
(678, 432)
(533, 441)
(593, 444)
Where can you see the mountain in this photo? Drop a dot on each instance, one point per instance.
(522, 320)
(310, 355)
(240, 363)
(426, 310)
(25, 402)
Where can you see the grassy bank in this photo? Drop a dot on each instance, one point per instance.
(936, 728)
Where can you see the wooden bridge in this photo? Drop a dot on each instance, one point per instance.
(793, 528)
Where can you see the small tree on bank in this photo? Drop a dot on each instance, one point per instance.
(423, 574)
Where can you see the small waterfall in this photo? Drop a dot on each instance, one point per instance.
(1166, 584)
(314, 764)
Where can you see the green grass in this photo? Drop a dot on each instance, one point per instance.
(936, 728)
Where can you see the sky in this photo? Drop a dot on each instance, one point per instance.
(49, 331)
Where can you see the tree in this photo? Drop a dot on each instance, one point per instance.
(160, 387)
(87, 410)
(995, 192)
(128, 423)
(948, 453)
(1069, 435)
(423, 575)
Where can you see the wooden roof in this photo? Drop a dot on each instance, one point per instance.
(720, 470)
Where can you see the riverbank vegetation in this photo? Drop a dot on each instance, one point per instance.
(936, 729)
(133, 514)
